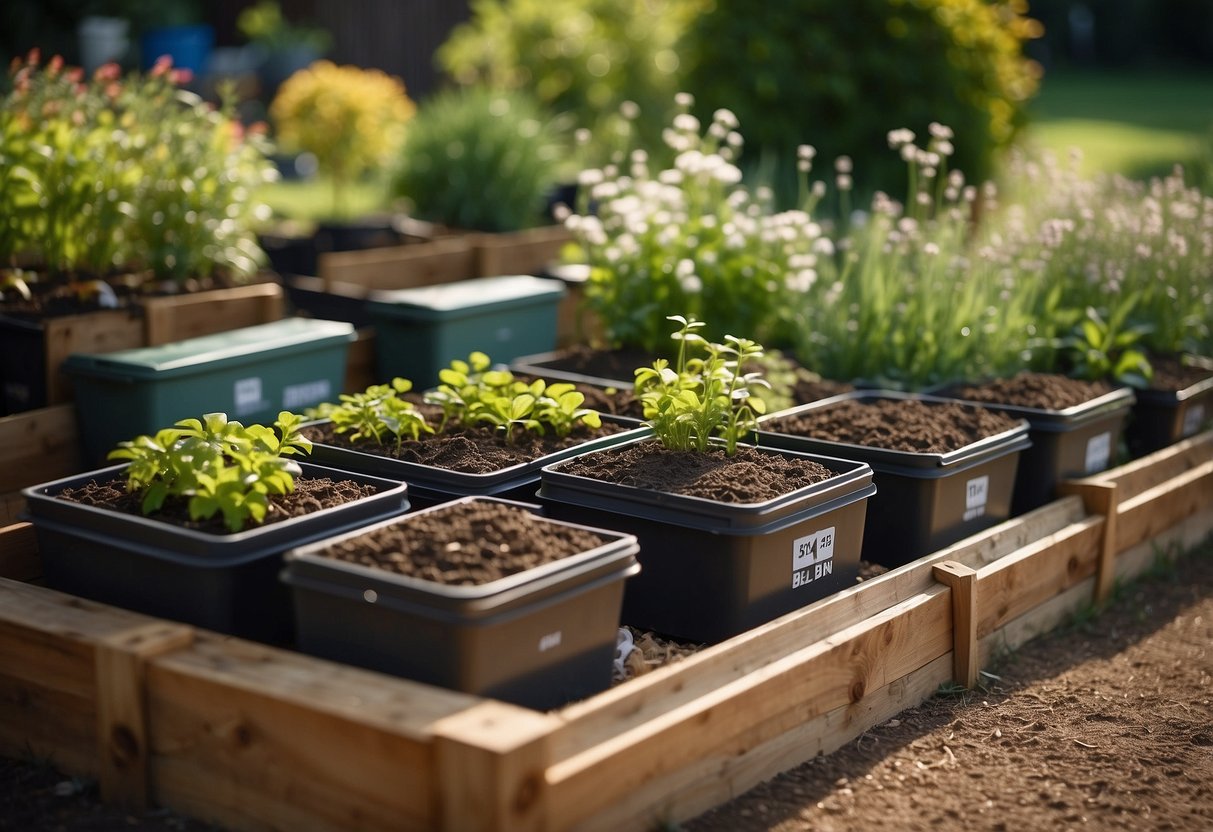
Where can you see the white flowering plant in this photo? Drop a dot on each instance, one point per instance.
(917, 295)
(692, 238)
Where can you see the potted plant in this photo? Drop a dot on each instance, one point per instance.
(115, 191)
(480, 432)
(943, 470)
(758, 531)
(494, 600)
(193, 525)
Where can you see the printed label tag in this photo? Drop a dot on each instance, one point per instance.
(812, 557)
(1193, 419)
(977, 494)
(307, 394)
(247, 395)
(550, 641)
(1099, 452)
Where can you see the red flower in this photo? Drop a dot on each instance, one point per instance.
(163, 64)
(108, 72)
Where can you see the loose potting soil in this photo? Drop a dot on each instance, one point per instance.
(475, 450)
(466, 544)
(310, 494)
(1172, 374)
(1044, 391)
(898, 424)
(748, 477)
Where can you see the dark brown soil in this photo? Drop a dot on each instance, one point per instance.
(619, 364)
(805, 391)
(897, 424)
(475, 450)
(751, 476)
(56, 297)
(311, 494)
(1170, 373)
(466, 543)
(1042, 391)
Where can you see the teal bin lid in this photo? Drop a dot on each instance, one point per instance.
(464, 297)
(209, 352)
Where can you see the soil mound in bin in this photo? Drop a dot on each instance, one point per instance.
(310, 494)
(1172, 374)
(747, 477)
(501, 540)
(899, 424)
(1043, 391)
(476, 450)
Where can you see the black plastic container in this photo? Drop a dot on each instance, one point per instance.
(1163, 417)
(430, 485)
(547, 365)
(228, 583)
(925, 501)
(1072, 442)
(714, 569)
(539, 638)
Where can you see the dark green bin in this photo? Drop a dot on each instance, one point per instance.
(250, 374)
(420, 331)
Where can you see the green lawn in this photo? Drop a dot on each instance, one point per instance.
(1138, 123)
(312, 199)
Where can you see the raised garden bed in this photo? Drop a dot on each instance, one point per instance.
(251, 736)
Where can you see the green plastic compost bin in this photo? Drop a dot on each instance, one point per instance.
(250, 374)
(420, 331)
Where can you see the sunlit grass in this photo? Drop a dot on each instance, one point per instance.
(312, 199)
(1139, 124)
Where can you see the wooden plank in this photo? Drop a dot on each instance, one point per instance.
(178, 317)
(663, 802)
(599, 719)
(38, 446)
(519, 252)
(360, 362)
(734, 718)
(1153, 469)
(961, 580)
(401, 267)
(1037, 622)
(249, 736)
(1148, 514)
(96, 332)
(1035, 573)
(19, 559)
(490, 764)
(121, 715)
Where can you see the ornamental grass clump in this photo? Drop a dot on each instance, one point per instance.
(702, 397)
(111, 174)
(917, 294)
(692, 238)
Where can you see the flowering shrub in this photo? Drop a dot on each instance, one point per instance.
(692, 239)
(110, 173)
(352, 119)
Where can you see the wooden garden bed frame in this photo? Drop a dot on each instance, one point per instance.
(254, 737)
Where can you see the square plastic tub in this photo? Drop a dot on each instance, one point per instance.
(250, 374)
(539, 638)
(418, 332)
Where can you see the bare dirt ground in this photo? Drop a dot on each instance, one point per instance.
(1106, 724)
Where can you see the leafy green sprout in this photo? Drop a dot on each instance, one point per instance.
(380, 413)
(219, 466)
(1100, 348)
(700, 398)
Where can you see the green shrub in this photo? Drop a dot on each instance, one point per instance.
(840, 76)
(479, 159)
(583, 57)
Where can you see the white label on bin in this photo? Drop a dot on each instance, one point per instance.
(1099, 452)
(247, 394)
(977, 494)
(550, 641)
(812, 557)
(307, 394)
(1193, 419)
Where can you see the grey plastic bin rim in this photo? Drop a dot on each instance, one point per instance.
(1060, 420)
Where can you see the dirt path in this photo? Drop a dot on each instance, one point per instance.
(1104, 725)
